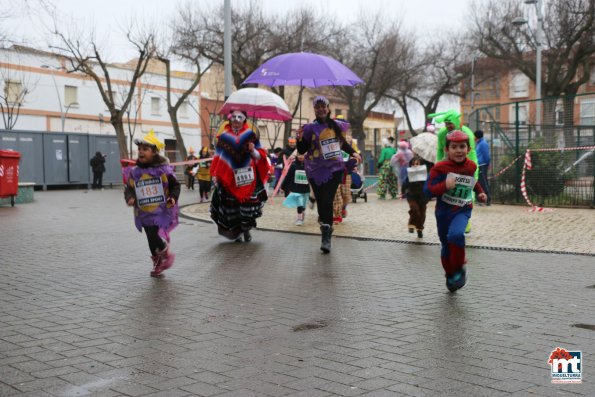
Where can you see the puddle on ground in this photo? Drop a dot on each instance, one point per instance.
(309, 326)
(590, 327)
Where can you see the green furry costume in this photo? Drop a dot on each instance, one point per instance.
(454, 117)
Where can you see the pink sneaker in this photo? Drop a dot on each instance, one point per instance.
(156, 259)
(166, 260)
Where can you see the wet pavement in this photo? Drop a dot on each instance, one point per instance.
(497, 226)
(80, 316)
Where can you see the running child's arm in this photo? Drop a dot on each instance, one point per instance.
(436, 183)
(481, 196)
(129, 195)
(174, 188)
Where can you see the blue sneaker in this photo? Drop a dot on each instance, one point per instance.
(457, 281)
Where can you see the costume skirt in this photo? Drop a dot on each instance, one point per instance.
(233, 217)
(295, 200)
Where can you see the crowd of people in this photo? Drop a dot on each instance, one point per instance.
(315, 169)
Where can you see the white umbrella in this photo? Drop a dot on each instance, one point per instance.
(425, 146)
(257, 103)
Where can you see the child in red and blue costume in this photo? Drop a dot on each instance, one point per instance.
(453, 182)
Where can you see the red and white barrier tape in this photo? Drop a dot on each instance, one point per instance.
(191, 162)
(528, 166)
(564, 148)
(371, 186)
(503, 170)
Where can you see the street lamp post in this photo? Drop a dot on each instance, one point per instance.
(51, 69)
(538, 44)
(72, 104)
(227, 47)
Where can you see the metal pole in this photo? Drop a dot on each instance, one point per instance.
(539, 43)
(64, 115)
(472, 83)
(517, 152)
(227, 47)
(57, 93)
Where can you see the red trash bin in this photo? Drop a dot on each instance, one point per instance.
(9, 174)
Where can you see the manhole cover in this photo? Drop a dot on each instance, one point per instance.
(590, 327)
(309, 326)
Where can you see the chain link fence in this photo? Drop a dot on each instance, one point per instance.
(561, 146)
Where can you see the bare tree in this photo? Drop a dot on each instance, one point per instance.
(132, 113)
(377, 52)
(257, 37)
(16, 87)
(277, 127)
(184, 47)
(87, 59)
(251, 35)
(432, 73)
(569, 45)
(303, 30)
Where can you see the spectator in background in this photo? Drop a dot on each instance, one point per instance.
(387, 180)
(98, 167)
(188, 170)
(483, 160)
(204, 175)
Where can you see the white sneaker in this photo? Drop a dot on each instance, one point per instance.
(300, 220)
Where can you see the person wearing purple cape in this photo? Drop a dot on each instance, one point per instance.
(322, 141)
(153, 190)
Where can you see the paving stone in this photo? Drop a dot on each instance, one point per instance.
(221, 322)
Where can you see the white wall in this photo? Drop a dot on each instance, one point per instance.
(44, 104)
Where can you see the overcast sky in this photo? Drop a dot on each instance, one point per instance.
(425, 18)
(422, 17)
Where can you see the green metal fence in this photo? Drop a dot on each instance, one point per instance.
(560, 176)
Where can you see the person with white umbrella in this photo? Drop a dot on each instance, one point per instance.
(241, 167)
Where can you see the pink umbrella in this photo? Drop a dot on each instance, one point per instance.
(258, 104)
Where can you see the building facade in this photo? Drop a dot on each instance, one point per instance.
(50, 99)
(497, 87)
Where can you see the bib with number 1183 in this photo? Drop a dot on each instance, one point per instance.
(462, 194)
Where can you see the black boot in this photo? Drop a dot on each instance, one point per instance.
(327, 231)
(246, 229)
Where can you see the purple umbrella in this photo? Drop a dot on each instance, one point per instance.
(303, 69)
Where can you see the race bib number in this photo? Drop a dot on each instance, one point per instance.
(462, 194)
(244, 176)
(300, 177)
(149, 192)
(330, 148)
(419, 173)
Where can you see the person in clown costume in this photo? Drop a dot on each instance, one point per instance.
(452, 181)
(153, 190)
(452, 121)
(241, 168)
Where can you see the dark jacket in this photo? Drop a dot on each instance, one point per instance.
(98, 163)
(415, 190)
(289, 181)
